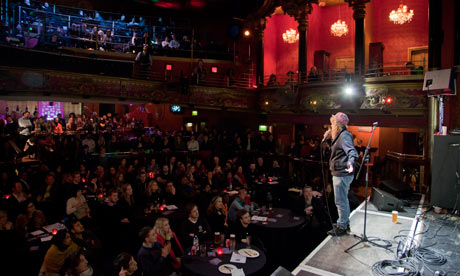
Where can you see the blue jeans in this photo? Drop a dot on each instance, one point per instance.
(341, 187)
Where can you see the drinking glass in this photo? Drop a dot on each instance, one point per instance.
(216, 238)
(222, 239)
(248, 242)
(203, 250)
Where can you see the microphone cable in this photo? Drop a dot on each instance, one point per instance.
(324, 189)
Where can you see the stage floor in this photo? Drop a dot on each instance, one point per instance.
(329, 257)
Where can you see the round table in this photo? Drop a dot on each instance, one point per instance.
(281, 219)
(175, 217)
(201, 266)
(280, 235)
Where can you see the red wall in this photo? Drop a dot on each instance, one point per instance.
(319, 36)
(398, 38)
(157, 114)
(279, 57)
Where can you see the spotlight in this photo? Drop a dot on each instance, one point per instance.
(349, 90)
(388, 100)
(267, 102)
(214, 69)
(169, 67)
(247, 33)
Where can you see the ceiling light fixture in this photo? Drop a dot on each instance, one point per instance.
(401, 15)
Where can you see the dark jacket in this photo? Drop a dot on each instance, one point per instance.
(152, 263)
(343, 152)
(200, 228)
(242, 233)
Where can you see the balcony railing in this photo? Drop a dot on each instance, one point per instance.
(402, 68)
(63, 26)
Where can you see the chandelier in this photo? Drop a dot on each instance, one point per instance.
(290, 36)
(339, 28)
(401, 15)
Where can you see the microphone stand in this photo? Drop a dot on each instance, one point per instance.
(364, 238)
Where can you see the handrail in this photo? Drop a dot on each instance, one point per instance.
(404, 155)
(398, 68)
(121, 36)
(76, 10)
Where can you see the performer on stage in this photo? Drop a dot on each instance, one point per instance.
(343, 156)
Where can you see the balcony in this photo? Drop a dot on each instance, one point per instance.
(48, 85)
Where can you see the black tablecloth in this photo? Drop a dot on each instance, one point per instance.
(201, 265)
(285, 218)
(175, 217)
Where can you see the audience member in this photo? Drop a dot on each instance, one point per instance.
(199, 73)
(125, 264)
(244, 231)
(153, 258)
(217, 215)
(237, 204)
(62, 245)
(85, 239)
(272, 81)
(166, 236)
(75, 264)
(77, 206)
(194, 225)
(145, 60)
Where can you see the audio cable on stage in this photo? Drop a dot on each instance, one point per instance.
(402, 267)
(324, 188)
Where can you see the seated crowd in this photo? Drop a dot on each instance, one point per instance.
(103, 201)
(87, 29)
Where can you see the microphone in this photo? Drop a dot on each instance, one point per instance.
(375, 124)
(326, 134)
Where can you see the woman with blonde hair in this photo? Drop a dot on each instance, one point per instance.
(153, 196)
(164, 236)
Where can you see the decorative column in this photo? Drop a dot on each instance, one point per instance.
(359, 12)
(259, 28)
(299, 9)
(435, 34)
(302, 28)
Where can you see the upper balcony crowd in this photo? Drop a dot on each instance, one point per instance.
(40, 25)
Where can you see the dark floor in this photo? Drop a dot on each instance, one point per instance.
(437, 232)
(443, 236)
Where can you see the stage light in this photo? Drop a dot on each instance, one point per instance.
(214, 69)
(194, 112)
(247, 33)
(189, 124)
(169, 67)
(267, 102)
(388, 100)
(349, 90)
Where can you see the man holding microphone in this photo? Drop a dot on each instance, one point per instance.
(343, 156)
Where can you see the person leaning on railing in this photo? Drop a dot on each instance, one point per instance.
(145, 60)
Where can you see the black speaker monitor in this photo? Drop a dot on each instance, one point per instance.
(281, 271)
(385, 201)
(396, 188)
(440, 82)
(445, 165)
